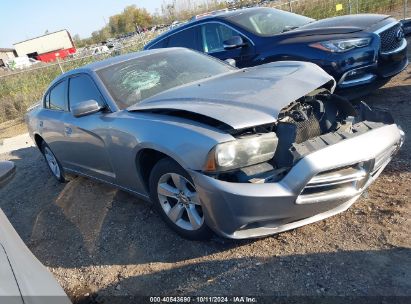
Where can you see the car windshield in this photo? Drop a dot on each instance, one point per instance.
(268, 21)
(133, 80)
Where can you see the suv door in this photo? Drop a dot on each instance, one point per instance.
(213, 35)
(87, 135)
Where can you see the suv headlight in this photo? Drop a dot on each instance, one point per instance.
(242, 152)
(344, 45)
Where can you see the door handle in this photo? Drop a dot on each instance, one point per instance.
(41, 124)
(68, 130)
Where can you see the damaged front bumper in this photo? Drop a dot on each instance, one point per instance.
(321, 184)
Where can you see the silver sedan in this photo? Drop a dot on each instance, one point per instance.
(241, 152)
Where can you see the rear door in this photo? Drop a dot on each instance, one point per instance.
(213, 35)
(51, 120)
(87, 135)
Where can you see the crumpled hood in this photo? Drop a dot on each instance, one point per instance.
(244, 98)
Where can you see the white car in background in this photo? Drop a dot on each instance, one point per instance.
(22, 62)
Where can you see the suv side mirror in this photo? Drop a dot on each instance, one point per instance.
(234, 43)
(85, 108)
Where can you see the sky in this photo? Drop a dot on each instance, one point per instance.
(24, 19)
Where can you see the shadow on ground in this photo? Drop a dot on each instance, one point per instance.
(352, 273)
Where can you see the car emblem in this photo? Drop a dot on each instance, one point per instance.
(400, 34)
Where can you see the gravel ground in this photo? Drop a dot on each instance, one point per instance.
(99, 241)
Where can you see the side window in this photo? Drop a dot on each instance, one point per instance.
(213, 36)
(57, 99)
(83, 88)
(186, 38)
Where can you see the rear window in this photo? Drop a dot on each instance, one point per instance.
(186, 38)
(57, 97)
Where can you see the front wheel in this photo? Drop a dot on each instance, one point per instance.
(175, 197)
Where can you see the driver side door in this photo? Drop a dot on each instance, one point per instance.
(86, 136)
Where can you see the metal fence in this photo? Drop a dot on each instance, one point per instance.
(321, 9)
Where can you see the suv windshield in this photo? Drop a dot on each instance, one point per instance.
(267, 21)
(133, 80)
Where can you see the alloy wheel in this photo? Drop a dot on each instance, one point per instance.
(180, 202)
(52, 162)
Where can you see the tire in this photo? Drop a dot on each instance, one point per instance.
(174, 196)
(53, 164)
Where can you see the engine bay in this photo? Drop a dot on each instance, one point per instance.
(311, 123)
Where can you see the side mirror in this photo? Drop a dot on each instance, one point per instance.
(234, 43)
(230, 61)
(85, 108)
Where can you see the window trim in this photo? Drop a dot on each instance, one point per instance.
(91, 78)
(199, 24)
(48, 93)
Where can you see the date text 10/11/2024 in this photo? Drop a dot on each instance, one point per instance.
(203, 299)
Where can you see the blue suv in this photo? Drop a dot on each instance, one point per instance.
(361, 52)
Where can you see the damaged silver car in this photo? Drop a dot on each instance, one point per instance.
(241, 152)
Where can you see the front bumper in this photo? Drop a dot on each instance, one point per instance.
(245, 210)
(385, 66)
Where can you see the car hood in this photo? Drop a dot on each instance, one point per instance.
(244, 98)
(343, 24)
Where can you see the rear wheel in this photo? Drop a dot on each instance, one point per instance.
(175, 197)
(54, 165)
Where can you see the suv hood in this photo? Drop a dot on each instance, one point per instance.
(244, 98)
(343, 24)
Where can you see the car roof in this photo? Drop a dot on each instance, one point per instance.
(217, 16)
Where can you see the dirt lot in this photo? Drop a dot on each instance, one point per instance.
(100, 242)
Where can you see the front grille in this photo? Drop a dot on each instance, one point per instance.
(340, 183)
(389, 39)
(344, 182)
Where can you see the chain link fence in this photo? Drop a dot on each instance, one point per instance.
(20, 89)
(319, 9)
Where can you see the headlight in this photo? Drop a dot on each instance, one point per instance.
(242, 152)
(338, 46)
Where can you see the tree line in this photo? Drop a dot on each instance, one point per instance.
(134, 18)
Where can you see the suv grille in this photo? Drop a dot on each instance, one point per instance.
(389, 39)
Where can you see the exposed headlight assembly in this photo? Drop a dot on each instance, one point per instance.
(339, 46)
(242, 152)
